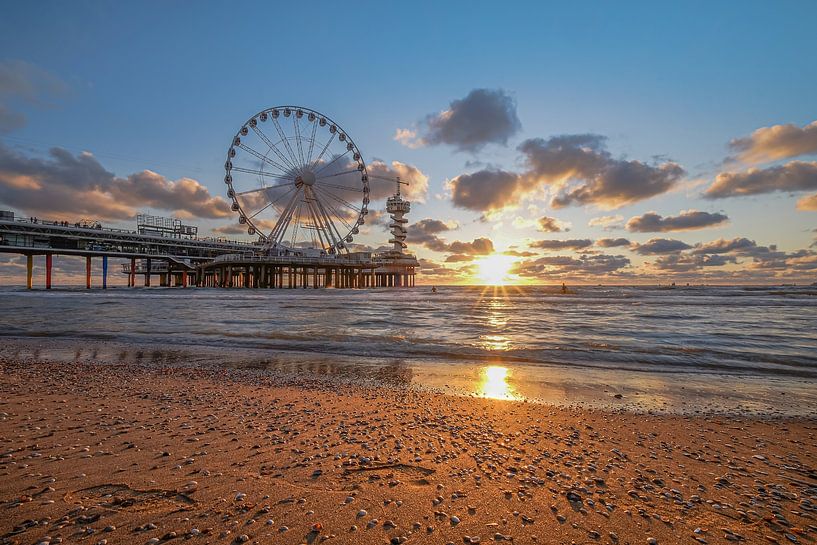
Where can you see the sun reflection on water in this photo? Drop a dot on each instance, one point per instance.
(494, 383)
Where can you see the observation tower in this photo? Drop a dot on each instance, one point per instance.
(397, 207)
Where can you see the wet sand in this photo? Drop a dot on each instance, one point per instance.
(145, 453)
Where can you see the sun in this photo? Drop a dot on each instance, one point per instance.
(494, 270)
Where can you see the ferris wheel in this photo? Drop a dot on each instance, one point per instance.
(297, 180)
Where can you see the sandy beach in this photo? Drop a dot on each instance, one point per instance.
(106, 454)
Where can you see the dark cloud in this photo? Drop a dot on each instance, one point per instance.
(687, 262)
(572, 244)
(549, 225)
(577, 167)
(425, 232)
(487, 190)
(723, 246)
(64, 185)
(485, 116)
(479, 246)
(685, 221)
(10, 120)
(597, 265)
(777, 142)
(793, 176)
(660, 246)
(22, 82)
(612, 242)
(584, 172)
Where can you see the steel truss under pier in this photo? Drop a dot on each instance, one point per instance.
(290, 272)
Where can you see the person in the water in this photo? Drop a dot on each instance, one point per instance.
(564, 288)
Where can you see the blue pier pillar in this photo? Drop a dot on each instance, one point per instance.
(104, 272)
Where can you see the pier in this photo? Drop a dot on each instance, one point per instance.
(169, 258)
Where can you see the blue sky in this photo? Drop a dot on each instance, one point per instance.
(164, 85)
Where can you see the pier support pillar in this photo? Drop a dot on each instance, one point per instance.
(48, 262)
(104, 272)
(87, 272)
(29, 270)
(133, 272)
(147, 273)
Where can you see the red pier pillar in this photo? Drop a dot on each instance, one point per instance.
(48, 263)
(88, 272)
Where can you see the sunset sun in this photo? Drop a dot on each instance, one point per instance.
(495, 269)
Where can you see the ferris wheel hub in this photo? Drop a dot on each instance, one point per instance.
(306, 178)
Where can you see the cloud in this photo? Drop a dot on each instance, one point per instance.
(687, 263)
(22, 82)
(550, 225)
(583, 172)
(608, 223)
(577, 167)
(487, 190)
(485, 116)
(425, 231)
(10, 120)
(479, 246)
(573, 244)
(687, 220)
(415, 189)
(660, 246)
(793, 176)
(597, 265)
(612, 242)
(723, 246)
(777, 142)
(63, 185)
(809, 202)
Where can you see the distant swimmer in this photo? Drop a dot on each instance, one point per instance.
(433, 289)
(564, 288)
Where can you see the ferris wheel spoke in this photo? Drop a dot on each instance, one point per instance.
(264, 158)
(256, 190)
(312, 142)
(273, 202)
(285, 140)
(338, 186)
(259, 172)
(325, 147)
(337, 174)
(319, 228)
(340, 216)
(334, 234)
(338, 238)
(340, 200)
(297, 126)
(283, 221)
(272, 146)
(324, 167)
(297, 224)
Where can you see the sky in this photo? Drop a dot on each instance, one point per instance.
(595, 143)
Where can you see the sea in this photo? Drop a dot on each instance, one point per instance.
(736, 350)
